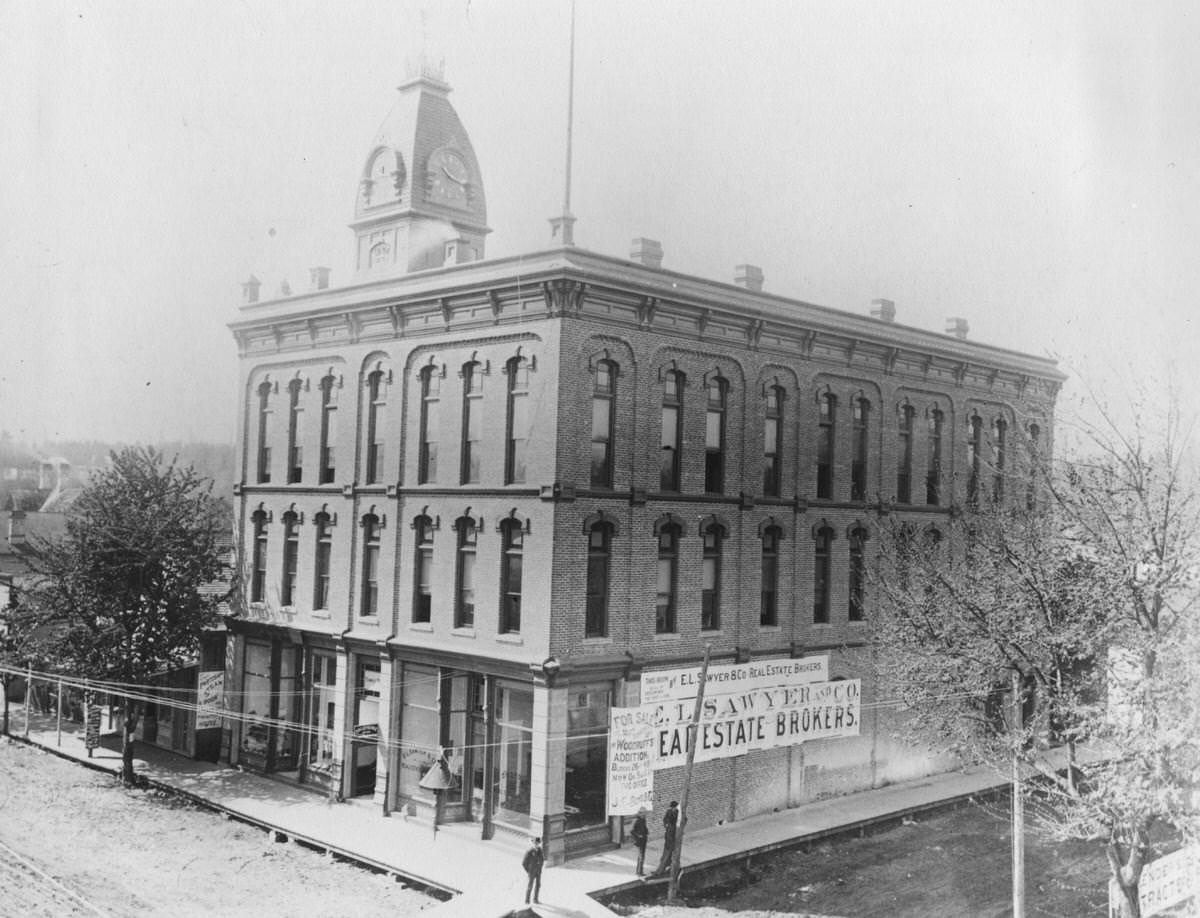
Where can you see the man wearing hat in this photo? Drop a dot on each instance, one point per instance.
(670, 824)
(640, 835)
(532, 862)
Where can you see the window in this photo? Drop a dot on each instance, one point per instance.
(858, 574)
(376, 396)
(472, 444)
(603, 403)
(821, 583)
(827, 418)
(714, 436)
(264, 433)
(587, 755)
(1000, 451)
(904, 455)
(933, 471)
(672, 421)
(860, 416)
(370, 566)
(772, 457)
(598, 562)
(291, 553)
(328, 430)
(464, 600)
(768, 610)
(431, 386)
(323, 555)
(1035, 433)
(974, 451)
(668, 571)
(423, 571)
(518, 420)
(710, 578)
(258, 575)
(295, 449)
(512, 540)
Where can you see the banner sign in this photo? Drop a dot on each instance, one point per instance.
(630, 761)
(209, 687)
(1165, 882)
(91, 734)
(678, 684)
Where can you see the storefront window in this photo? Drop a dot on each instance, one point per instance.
(256, 687)
(587, 753)
(321, 714)
(514, 739)
(418, 728)
(366, 728)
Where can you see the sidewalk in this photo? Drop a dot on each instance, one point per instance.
(485, 878)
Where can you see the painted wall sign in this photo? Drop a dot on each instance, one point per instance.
(209, 687)
(631, 740)
(680, 684)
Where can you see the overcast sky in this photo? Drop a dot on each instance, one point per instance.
(1033, 167)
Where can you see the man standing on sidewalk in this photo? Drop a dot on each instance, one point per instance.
(532, 862)
(640, 834)
(670, 822)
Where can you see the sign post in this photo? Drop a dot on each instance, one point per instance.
(693, 735)
(91, 736)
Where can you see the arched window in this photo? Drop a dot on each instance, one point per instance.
(672, 427)
(370, 566)
(768, 609)
(713, 536)
(599, 559)
(857, 574)
(821, 569)
(328, 455)
(772, 442)
(860, 412)
(380, 254)
(295, 448)
(933, 470)
(904, 455)
(512, 540)
(714, 435)
(974, 457)
(264, 433)
(464, 598)
(518, 420)
(1035, 433)
(472, 430)
(423, 570)
(1000, 454)
(826, 432)
(258, 572)
(291, 556)
(668, 577)
(604, 392)
(431, 385)
(376, 402)
(322, 557)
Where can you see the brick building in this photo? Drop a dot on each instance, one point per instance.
(480, 498)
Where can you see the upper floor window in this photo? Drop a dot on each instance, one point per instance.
(295, 447)
(768, 609)
(860, 422)
(258, 571)
(323, 556)
(604, 391)
(328, 457)
(370, 565)
(904, 457)
(518, 420)
(427, 460)
(668, 576)
(1035, 433)
(423, 570)
(511, 553)
(672, 427)
(1000, 453)
(821, 570)
(772, 451)
(376, 402)
(264, 433)
(464, 599)
(598, 565)
(974, 457)
(472, 437)
(826, 431)
(710, 577)
(291, 555)
(714, 435)
(933, 469)
(857, 574)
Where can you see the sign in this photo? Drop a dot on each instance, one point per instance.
(630, 761)
(681, 684)
(209, 687)
(1165, 882)
(91, 735)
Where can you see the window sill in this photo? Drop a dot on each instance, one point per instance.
(666, 636)
(597, 640)
(420, 626)
(372, 620)
(711, 632)
(762, 627)
(510, 638)
(319, 613)
(463, 632)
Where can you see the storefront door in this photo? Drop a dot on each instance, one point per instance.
(364, 747)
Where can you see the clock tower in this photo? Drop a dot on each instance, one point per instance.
(420, 200)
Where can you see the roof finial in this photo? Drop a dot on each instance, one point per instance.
(562, 229)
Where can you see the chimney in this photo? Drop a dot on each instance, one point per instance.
(883, 310)
(250, 290)
(319, 278)
(748, 276)
(285, 289)
(958, 327)
(648, 252)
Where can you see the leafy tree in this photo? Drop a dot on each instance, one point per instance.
(121, 588)
(1086, 589)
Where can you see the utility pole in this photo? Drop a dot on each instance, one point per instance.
(1018, 805)
(692, 732)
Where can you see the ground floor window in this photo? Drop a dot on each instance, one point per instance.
(271, 705)
(365, 746)
(514, 752)
(322, 711)
(419, 727)
(587, 755)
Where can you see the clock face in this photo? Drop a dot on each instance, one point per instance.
(453, 166)
(448, 177)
